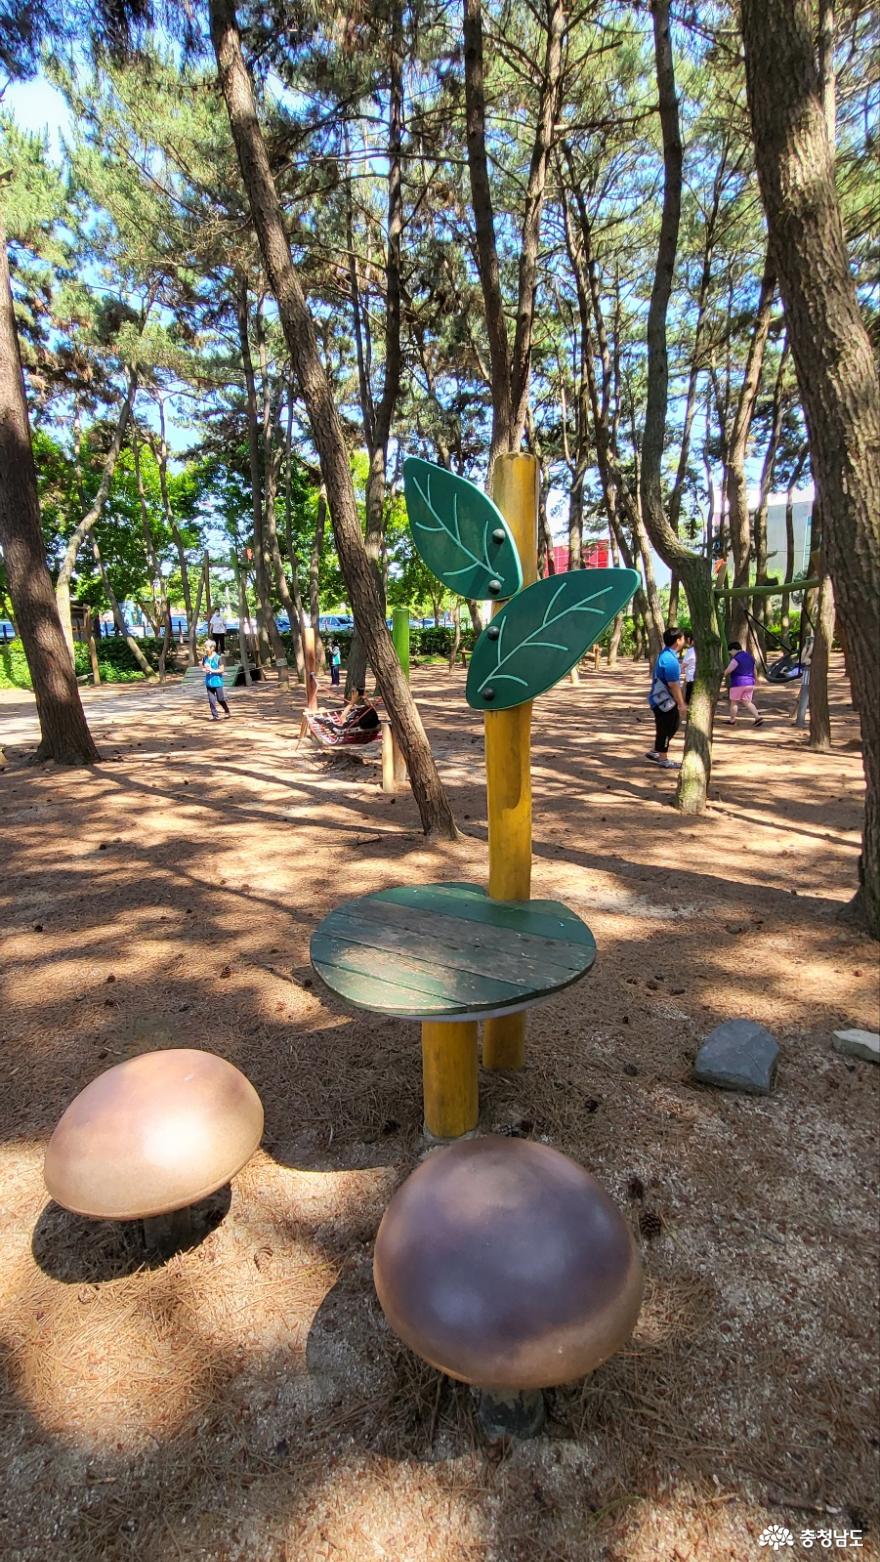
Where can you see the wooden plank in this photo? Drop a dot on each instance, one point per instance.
(506, 965)
(540, 918)
(350, 986)
(433, 936)
(384, 968)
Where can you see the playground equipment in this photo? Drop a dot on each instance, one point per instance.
(354, 725)
(153, 1136)
(393, 762)
(449, 955)
(504, 1264)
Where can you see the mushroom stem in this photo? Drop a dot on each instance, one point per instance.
(167, 1233)
(511, 1412)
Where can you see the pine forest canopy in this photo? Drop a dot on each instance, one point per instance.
(511, 225)
(142, 215)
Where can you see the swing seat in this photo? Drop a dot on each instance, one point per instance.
(354, 728)
(786, 670)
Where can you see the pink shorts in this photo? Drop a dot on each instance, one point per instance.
(742, 691)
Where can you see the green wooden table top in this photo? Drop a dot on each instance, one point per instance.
(448, 952)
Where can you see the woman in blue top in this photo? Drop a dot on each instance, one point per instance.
(741, 672)
(213, 665)
(666, 699)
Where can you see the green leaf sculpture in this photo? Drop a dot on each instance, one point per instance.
(539, 635)
(461, 535)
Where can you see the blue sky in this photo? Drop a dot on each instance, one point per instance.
(37, 105)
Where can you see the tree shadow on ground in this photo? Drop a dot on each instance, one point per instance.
(78, 1250)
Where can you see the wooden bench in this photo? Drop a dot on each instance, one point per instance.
(447, 955)
(232, 676)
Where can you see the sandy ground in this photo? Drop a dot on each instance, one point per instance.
(244, 1400)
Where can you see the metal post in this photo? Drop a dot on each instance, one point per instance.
(508, 756)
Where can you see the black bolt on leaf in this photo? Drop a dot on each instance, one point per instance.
(542, 631)
(452, 522)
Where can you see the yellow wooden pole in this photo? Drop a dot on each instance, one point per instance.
(450, 1077)
(508, 755)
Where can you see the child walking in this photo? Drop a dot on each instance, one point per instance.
(213, 665)
(741, 671)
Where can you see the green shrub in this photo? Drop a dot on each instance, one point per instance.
(14, 670)
(115, 659)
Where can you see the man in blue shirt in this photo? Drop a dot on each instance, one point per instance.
(666, 699)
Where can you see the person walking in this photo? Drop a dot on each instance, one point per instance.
(213, 665)
(666, 699)
(688, 665)
(741, 672)
(335, 663)
(217, 627)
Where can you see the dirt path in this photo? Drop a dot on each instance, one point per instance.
(245, 1402)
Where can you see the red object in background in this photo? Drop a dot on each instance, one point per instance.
(595, 557)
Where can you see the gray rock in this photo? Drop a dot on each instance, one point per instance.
(858, 1044)
(738, 1055)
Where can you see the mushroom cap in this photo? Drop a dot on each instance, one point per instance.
(152, 1135)
(505, 1264)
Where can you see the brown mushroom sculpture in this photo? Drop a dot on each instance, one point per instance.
(153, 1135)
(505, 1264)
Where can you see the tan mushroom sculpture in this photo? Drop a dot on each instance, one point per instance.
(152, 1136)
(505, 1264)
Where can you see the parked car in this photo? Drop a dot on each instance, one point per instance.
(7, 630)
(330, 621)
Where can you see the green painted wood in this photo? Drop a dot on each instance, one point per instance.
(541, 633)
(426, 975)
(460, 534)
(400, 637)
(543, 918)
(388, 927)
(445, 951)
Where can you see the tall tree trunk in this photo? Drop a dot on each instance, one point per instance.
(695, 572)
(760, 604)
(327, 432)
(737, 494)
(243, 652)
(832, 355)
(64, 733)
(171, 522)
(510, 369)
(118, 617)
(378, 419)
(259, 467)
(197, 608)
(576, 520)
(620, 502)
(315, 574)
(89, 626)
(297, 619)
(820, 712)
(81, 531)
